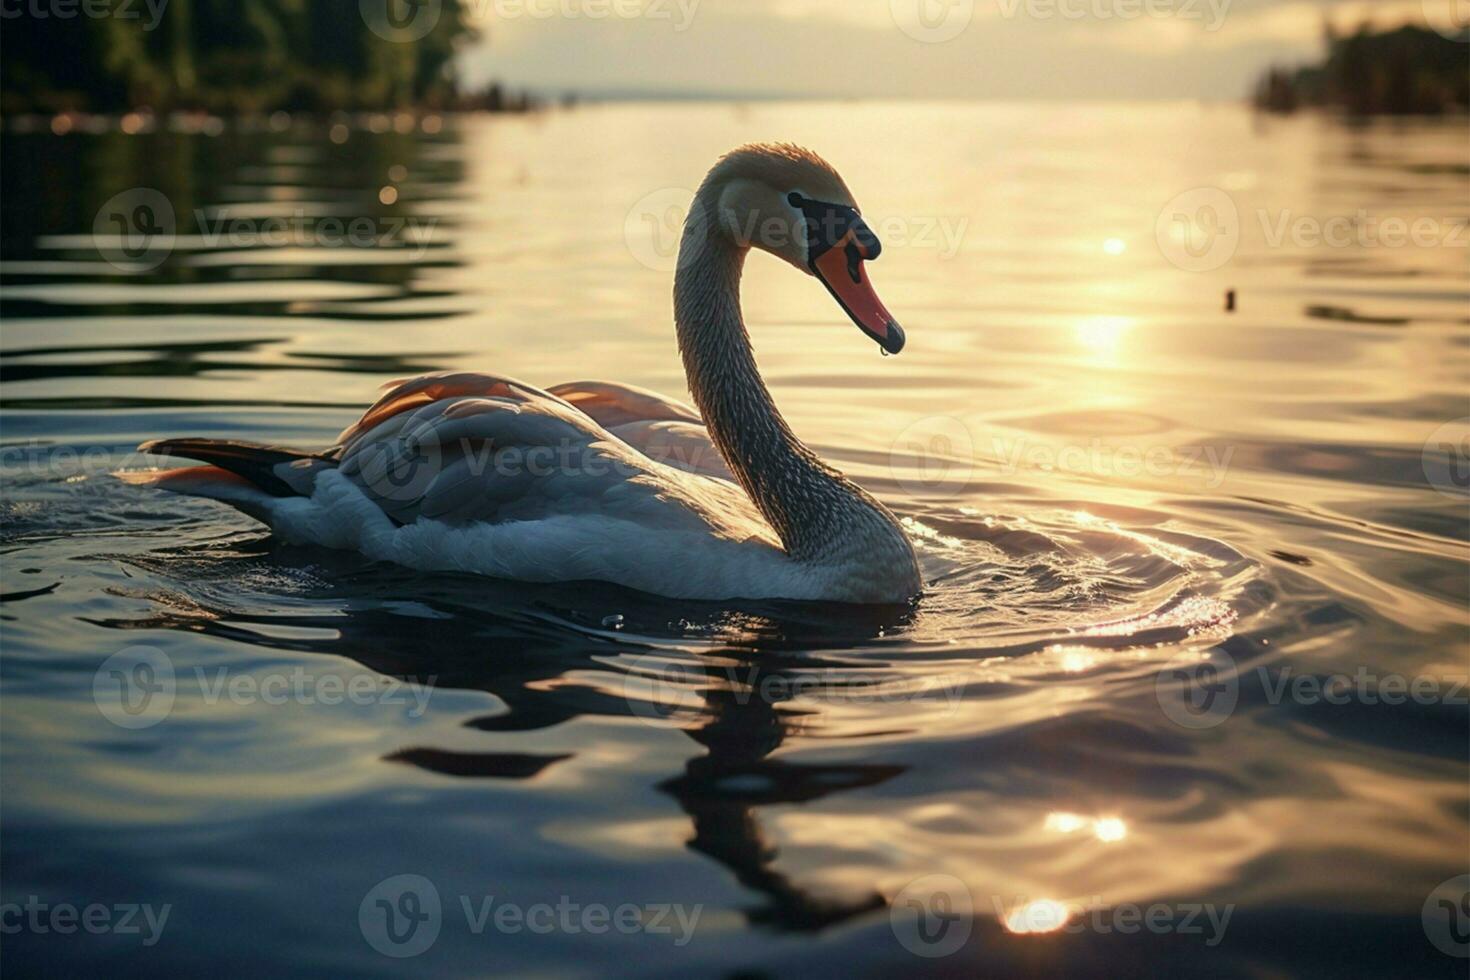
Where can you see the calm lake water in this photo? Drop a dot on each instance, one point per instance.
(1150, 716)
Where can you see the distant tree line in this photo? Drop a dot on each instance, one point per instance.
(232, 56)
(1407, 71)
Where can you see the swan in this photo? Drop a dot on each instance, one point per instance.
(602, 481)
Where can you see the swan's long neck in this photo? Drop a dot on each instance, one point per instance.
(820, 515)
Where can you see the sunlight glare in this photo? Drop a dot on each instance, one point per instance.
(1065, 823)
(1102, 336)
(1106, 829)
(1042, 915)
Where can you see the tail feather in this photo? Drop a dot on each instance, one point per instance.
(269, 468)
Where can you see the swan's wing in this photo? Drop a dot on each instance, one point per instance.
(412, 393)
(683, 445)
(611, 404)
(662, 428)
(475, 448)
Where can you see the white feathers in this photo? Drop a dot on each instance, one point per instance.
(681, 563)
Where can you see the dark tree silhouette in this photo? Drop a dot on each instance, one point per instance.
(1407, 71)
(227, 56)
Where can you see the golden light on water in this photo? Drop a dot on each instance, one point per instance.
(1103, 336)
(1106, 829)
(1042, 915)
(1076, 661)
(1065, 823)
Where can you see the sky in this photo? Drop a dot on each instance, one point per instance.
(1001, 49)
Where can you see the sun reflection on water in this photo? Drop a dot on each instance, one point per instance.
(1106, 829)
(1042, 915)
(1102, 336)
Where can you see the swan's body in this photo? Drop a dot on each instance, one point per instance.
(471, 472)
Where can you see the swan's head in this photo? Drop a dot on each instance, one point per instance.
(791, 203)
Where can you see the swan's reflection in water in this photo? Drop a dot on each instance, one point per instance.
(720, 791)
(735, 700)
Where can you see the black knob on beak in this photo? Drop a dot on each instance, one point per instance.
(867, 242)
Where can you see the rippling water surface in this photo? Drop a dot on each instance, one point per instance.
(1149, 526)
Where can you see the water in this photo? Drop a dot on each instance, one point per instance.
(1148, 527)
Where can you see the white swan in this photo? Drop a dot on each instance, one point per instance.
(599, 481)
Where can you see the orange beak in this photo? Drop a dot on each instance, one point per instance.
(842, 270)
